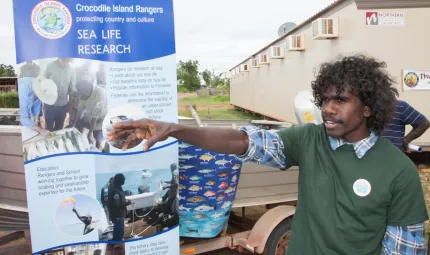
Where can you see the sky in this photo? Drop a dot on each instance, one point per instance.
(218, 33)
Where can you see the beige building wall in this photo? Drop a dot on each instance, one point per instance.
(270, 89)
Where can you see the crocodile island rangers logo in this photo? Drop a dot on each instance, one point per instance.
(51, 19)
(411, 79)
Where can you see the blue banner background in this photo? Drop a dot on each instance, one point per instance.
(147, 40)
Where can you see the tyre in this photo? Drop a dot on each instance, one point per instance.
(277, 243)
(428, 246)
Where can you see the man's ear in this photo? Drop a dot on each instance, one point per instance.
(367, 112)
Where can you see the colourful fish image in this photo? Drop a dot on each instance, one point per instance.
(210, 182)
(236, 167)
(183, 208)
(186, 167)
(229, 190)
(195, 178)
(204, 208)
(199, 216)
(223, 185)
(206, 171)
(187, 156)
(220, 197)
(217, 215)
(195, 188)
(209, 193)
(196, 199)
(182, 187)
(226, 205)
(234, 178)
(184, 145)
(223, 162)
(182, 177)
(223, 174)
(207, 157)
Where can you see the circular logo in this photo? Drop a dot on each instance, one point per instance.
(51, 19)
(362, 187)
(411, 79)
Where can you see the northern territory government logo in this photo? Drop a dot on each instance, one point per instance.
(411, 79)
(51, 19)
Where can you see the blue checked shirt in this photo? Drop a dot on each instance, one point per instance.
(266, 147)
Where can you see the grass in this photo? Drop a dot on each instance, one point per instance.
(221, 114)
(213, 107)
(206, 100)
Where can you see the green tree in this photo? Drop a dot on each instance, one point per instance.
(7, 71)
(207, 77)
(189, 74)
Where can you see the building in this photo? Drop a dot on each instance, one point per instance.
(395, 31)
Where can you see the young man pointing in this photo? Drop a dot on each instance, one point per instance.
(358, 194)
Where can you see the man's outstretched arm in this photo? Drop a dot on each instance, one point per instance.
(221, 140)
(249, 143)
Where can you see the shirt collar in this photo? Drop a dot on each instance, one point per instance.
(360, 147)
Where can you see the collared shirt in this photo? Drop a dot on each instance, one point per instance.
(95, 106)
(29, 70)
(266, 148)
(30, 107)
(64, 78)
(404, 115)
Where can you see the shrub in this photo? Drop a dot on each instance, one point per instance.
(9, 100)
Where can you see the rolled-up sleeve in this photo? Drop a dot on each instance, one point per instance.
(265, 148)
(404, 240)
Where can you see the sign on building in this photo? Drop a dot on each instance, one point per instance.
(385, 19)
(415, 79)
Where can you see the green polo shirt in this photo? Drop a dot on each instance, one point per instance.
(344, 202)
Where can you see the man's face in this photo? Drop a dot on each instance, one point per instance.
(344, 115)
(84, 90)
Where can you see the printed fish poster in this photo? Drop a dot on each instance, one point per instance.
(84, 66)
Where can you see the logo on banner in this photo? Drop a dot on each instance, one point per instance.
(411, 79)
(51, 19)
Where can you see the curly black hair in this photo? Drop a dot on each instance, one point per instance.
(362, 76)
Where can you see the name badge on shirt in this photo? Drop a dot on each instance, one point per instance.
(362, 187)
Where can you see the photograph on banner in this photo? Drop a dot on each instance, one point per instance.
(84, 249)
(138, 196)
(63, 102)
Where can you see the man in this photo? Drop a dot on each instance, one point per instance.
(358, 194)
(92, 100)
(117, 205)
(83, 73)
(64, 77)
(170, 197)
(104, 194)
(30, 106)
(29, 69)
(404, 115)
(87, 220)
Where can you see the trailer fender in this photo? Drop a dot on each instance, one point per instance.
(265, 225)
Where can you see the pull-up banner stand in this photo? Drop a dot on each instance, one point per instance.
(84, 65)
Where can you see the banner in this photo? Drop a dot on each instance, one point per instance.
(84, 65)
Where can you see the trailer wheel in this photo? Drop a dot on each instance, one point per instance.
(277, 243)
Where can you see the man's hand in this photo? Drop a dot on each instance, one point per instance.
(41, 131)
(150, 130)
